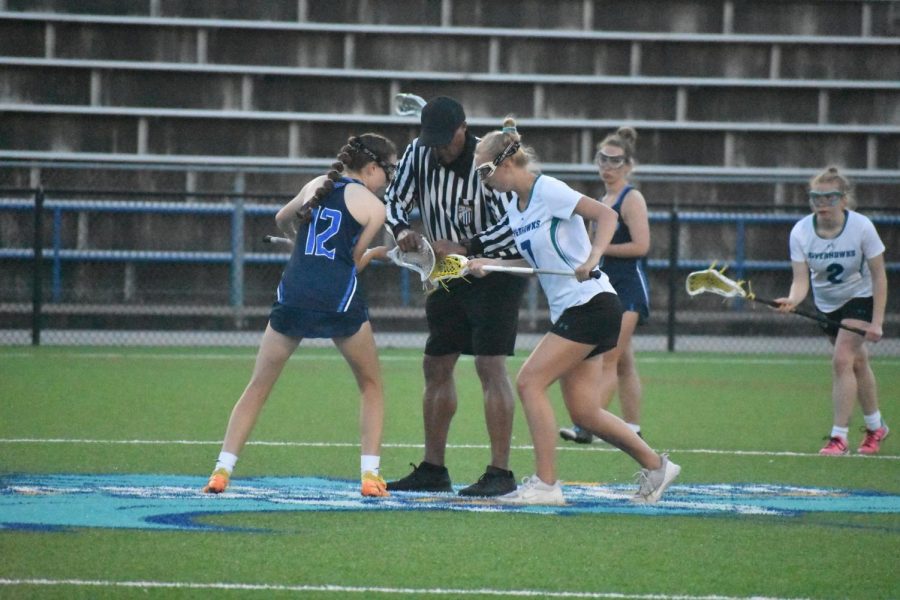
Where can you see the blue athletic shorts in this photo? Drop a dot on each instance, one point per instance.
(632, 295)
(304, 323)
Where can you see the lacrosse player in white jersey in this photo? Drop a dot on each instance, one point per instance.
(840, 252)
(548, 222)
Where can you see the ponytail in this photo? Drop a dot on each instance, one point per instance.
(497, 141)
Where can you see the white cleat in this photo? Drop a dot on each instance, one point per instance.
(652, 483)
(535, 491)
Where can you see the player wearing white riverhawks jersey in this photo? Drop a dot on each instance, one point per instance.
(840, 251)
(551, 235)
(548, 222)
(838, 266)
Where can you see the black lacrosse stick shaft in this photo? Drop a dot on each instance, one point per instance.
(811, 315)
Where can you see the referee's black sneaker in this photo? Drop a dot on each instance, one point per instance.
(424, 478)
(494, 482)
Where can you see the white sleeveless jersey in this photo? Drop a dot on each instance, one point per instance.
(549, 235)
(837, 267)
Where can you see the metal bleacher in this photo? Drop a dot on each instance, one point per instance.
(710, 105)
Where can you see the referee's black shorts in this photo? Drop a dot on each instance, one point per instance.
(477, 316)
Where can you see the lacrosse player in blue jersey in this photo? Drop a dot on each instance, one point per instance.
(840, 251)
(332, 221)
(623, 263)
(548, 222)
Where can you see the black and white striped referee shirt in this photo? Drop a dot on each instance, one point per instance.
(452, 201)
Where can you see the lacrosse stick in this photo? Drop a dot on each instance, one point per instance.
(421, 260)
(409, 105)
(272, 239)
(712, 281)
(454, 266)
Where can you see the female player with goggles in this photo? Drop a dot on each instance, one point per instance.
(840, 252)
(548, 222)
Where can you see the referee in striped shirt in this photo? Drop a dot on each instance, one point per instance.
(477, 317)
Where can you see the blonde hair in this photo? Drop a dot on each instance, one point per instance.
(497, 141)
(831, 176)
(624, 138)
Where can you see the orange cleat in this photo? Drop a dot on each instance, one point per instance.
(373, 485)
(217, 483)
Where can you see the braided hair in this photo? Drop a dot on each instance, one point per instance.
(353, 156)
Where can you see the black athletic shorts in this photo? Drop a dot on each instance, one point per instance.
(855, 308)
(596, 322)
(477, 316)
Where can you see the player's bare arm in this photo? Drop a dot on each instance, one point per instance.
(634, 214)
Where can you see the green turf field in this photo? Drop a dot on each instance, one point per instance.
(752, 421)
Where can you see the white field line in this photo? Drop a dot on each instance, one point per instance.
(344, 589)
(528, 447)
(300, 356)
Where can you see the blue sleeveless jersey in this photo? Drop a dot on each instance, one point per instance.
(627, 274)
(321, 274)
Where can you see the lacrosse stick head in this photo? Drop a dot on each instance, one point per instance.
(714, 282)
(420, 260)
(408, 105)
(452, 266)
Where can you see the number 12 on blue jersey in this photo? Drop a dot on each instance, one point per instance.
(315, 242)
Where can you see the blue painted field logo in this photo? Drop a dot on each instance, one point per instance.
(47, 502)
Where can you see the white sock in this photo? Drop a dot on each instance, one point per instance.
(634, 427)
(226, 461)
(369, 462)
(840, 432)
(873, 421)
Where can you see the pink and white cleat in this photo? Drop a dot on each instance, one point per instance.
(872, 442)
(836, 446)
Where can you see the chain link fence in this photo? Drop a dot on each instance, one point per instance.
(152, 269)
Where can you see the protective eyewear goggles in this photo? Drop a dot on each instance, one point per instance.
(826, 199)
(614, 162)
(387, 167)
(389, 170)
(487, 169)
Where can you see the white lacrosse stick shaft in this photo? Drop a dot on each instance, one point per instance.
(273, 239)
(527, 270)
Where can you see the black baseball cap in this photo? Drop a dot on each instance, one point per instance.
(440, 119)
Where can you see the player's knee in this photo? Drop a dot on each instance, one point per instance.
(490, 368)
(528, 385)
(438, 370)
(842, 362)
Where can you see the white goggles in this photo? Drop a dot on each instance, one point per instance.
(487, 169)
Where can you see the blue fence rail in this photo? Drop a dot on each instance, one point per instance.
(238, 211)
(235, 256)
